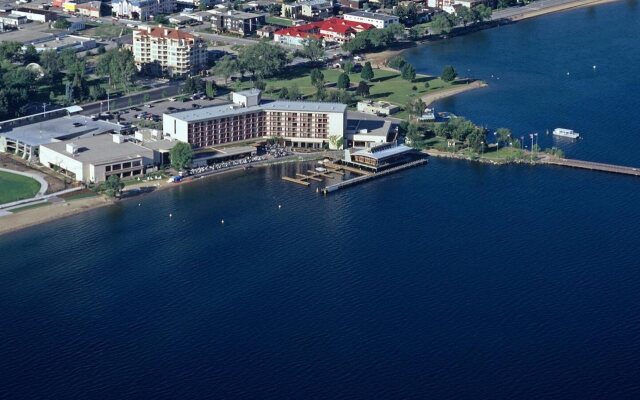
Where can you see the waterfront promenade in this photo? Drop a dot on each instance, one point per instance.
(594, 166)
(542, 7)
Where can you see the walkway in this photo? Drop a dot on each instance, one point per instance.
(8, 206)
(43, 184)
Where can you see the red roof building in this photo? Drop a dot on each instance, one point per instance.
(330, 30)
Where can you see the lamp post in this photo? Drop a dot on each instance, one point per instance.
(495, 133)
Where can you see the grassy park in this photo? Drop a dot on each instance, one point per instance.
(385, 86)
(106, 31)
(15, 187)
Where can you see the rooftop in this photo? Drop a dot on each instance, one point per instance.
(61, 128)
(207, 113)
(367, 14)
(382, 154)
(162, 32)
(101, 149)
(370, 127)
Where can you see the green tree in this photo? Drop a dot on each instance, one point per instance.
(503, 135)
(347, 67)
(181, 155)
(210, 89)
(30, 55)
(263, 59)
(283, 93)
(10, 51)
(448, 74)
(294, 93)
(482, 12)
(426, 85)
(317, 77)
(312, 49)
(408, 73)
(466, 15)
(396, 62)
(61, 23)
(343, 81)
(414, 136)
(362, 89)
(50, 62)
(441, 23)
(367, 72)
(321, 92)
(113, 186)
(415, 107)
(226, 67)
(97, 92)
(146, 98)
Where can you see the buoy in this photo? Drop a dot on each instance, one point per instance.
(170, 215)
(138, 204)
(568, 73)
(222, 221)
(279, 206)
(594, 67)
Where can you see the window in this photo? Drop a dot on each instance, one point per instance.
(107, 168)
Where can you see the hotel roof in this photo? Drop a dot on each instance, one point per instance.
(162, 32)
(101, 149)
(205, 114)
(378, 16)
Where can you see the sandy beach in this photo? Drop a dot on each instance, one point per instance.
(561, 7)
(441, 94)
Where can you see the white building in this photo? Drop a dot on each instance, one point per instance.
(94, 159)
(378, 20)
(167, 51)
(142, 10)
(299, 123)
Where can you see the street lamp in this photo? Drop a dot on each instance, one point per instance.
(497, 143)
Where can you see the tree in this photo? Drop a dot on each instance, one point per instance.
(181, 155)
(317, 77)
(161, 19)
(146, 98)
(97, 92)
(260, 85)
(466, 15)
(30, 55)
(408, 73)
(396, 62)
(294, 93)
(343, 81)
(441, 23)
(263, 59)
(321, 92)
(426, 85)
(362, 89)
(283, 93)
(367, 72)
(210, 89)
(192, 85)
(113, 186)
(415, 107)
(503, 135)
(482, 12)
(312, 49)
(414, 136)
(119, 66)
(50, 62)
(10, 51)
(347, 67)
(226, 67)
(448, 73)
(61, 23)
(202, 6)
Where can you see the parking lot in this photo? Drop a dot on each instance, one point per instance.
(154, 110)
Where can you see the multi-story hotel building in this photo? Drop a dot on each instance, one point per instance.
(378, 20)
(165, 51)
(142, 10)
(299, 123)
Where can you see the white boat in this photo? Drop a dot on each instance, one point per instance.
(428, 114)
(320, 169)
(568, 133)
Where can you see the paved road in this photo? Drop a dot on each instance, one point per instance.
(170, 89)
(537, 5)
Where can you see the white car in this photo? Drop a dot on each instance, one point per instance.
(172, 99)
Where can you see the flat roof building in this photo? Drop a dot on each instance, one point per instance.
(94, 159)
(23, 136)
(381, 157)
(299, 123)
(369, 132)
(378, 20)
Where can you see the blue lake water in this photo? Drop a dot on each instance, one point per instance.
(448, 281)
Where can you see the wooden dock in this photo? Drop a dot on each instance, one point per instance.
(294, 180)
(369, 176)
(593, 166)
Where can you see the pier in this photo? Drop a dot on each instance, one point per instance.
(370, 175)
(593, 166)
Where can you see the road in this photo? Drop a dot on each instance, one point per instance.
(535, 6)
(168, 90)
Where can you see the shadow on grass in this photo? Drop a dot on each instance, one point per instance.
(384, 78)
(380, 95)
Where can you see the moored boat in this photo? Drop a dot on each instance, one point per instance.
(568, 133)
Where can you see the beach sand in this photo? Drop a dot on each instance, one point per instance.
(558, 8)
(441, 94)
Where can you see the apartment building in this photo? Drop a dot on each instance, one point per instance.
(142, 10)
(166, 51)
(240, 22)
(378, 20)
(312, 9)
(299, 123)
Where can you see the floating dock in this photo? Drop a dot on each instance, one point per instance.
(370, 175)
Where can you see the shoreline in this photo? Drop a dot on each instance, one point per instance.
(41, 215)
(558, 8)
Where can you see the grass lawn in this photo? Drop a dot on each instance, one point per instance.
(386, 85)
(16, 187)
(106, 31)
(503, 154)
(278, 21)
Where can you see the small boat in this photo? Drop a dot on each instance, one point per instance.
(568, 133)
(320, 169)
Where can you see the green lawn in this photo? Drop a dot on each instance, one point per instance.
(106, 31)
(504, 154)
(386, 85)
(278, 21)
(16, 187)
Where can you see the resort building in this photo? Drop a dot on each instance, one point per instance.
(142, 10)
(335, 30)
(299, 123)
(377, 107)
(242, 23)
(36, 15)
(312, 9)
(166, 51)
(23, 136)
(77, 43)
(369, 132)
(378, 20)
(380, 157)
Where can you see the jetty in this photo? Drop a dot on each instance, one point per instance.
(369, 176)
(593, 166)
